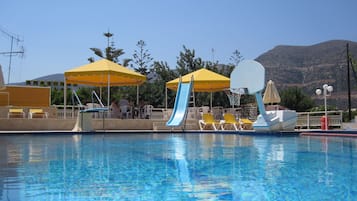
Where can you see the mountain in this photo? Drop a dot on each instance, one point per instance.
(309, 67)
(58, 77)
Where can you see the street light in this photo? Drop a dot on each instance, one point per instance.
(327, 89)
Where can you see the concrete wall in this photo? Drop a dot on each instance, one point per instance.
(51, 124)
(36, 124)
(52, 111)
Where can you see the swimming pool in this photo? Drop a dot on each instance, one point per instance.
(177, 167)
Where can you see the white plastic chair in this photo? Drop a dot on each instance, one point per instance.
(125, 111)
(148, 111)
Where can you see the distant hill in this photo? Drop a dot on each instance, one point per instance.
(58, 77)
(309, 67)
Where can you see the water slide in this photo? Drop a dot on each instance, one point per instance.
(181, 104)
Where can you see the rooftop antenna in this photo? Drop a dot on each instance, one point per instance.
(212, 55)
(11, 52)
(108, 35)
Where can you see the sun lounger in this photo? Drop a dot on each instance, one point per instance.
(246, 124)
(208, 121)
(16, 113)
(37, 113)
(230, 121)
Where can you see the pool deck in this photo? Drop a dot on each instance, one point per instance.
(139, 126)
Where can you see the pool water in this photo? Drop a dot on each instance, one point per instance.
(177, 167)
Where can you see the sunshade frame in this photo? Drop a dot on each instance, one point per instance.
(102, 73)
(204, 81)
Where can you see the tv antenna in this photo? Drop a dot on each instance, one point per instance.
(11, 52)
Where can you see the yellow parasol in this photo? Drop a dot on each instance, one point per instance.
(204, 81)
(103, 73)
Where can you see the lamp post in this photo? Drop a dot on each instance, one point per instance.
(327, 89)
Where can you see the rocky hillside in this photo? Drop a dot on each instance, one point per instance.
(309, 67)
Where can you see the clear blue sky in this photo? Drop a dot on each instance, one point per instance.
(58, 34)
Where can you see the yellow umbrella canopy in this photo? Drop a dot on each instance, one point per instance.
(271, 94)
(203, 81)
(103, 73)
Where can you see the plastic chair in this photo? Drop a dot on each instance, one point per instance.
(208, 121)
(125, 111)
(16, 113)
(148, 111)
(230, 121)
(246, 124)
(37, 113)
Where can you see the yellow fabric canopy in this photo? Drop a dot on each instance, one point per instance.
(103, 73)
(203, 81)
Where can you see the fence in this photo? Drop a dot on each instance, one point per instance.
(305, 120)
(311, 120)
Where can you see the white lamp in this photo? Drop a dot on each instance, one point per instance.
(327, 89)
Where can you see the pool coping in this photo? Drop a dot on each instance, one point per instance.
(328, 133)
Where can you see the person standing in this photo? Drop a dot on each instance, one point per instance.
(115, 110)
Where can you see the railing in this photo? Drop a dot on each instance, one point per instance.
(71, 111)
(310, 120)
(98, 99)
(305, 120)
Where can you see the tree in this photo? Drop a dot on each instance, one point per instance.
(111, 53)
(142, 59)
(187, 62)
(236, 58)
(157, 88)
(294, 98)
(56, 96)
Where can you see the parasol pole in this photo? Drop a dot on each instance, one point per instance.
(211, 101)
(108, 101)
(137, 95)
(100, 92)
(64, 97)
(166, 98)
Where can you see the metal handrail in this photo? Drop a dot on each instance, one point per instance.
(98, 99)
(75, 95)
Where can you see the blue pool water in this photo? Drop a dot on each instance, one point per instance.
(177, 167)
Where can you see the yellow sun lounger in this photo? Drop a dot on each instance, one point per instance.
(246, 124)
(16, 113)
(230, 121)
(37, 113)
(208, 121)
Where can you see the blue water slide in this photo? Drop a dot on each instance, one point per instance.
(181, 104)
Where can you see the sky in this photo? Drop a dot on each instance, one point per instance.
(57, 35)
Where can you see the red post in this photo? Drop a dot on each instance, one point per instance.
(324, 123)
